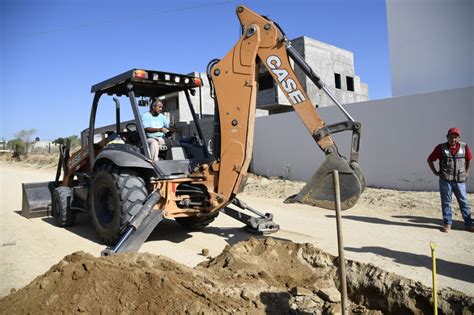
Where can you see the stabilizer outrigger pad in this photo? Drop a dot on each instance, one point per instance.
(261, 225)
(319, 191)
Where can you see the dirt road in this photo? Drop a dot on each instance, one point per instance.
(393, 238)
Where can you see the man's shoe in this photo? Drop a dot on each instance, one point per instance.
(470, 229)
(446, 228)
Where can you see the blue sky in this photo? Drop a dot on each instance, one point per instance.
(53, 51)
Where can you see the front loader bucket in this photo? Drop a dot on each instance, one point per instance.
(36, 199)
(319, 191)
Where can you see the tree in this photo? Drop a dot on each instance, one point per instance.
(24, 135)
(59, 141)
(75, 141)
(16, 145)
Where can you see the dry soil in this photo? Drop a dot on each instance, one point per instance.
(386, 240)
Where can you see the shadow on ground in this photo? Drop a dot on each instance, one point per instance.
(167, 230)
(172, 231)
(446, 268)
(82, 227)
(413, 221)
(424, 220)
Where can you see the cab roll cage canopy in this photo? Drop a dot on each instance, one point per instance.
(141, 83)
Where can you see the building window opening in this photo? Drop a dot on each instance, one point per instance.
(265, 81)
(350, 83)
(337, 80)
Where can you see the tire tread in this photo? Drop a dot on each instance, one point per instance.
(65, 216)
(132, 193)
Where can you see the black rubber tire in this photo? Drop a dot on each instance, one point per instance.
(196, 223)
(61, 206)
(116, 194)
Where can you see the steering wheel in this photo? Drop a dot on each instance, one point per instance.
(171, 130)
(132, 134)
(131, 127)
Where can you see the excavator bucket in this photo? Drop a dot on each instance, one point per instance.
(319, 191)
(36, 199)
(37, 196)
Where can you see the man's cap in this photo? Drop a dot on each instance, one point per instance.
(454, 130)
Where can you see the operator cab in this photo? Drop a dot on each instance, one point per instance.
(125, 142)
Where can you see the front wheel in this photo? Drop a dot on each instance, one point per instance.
(116, 195)
(61, 206)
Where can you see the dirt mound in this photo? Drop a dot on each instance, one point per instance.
(255, 276)
(271, 187)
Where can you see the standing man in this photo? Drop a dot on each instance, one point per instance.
(156, 126)
(454, 165)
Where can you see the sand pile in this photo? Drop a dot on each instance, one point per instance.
(256, 276)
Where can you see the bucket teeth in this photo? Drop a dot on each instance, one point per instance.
(319, 191)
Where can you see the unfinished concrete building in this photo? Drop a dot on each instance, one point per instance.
(334, 65)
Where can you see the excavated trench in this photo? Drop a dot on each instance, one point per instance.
(254, 276)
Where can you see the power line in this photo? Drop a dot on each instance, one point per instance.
(77, 27)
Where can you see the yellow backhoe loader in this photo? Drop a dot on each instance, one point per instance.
(128, 194)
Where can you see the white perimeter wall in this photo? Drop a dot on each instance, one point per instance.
(398, 134)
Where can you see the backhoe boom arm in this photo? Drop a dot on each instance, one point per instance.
(235, 82)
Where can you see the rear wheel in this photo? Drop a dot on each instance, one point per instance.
(116, 195)
(61, 206)
(196, 223)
